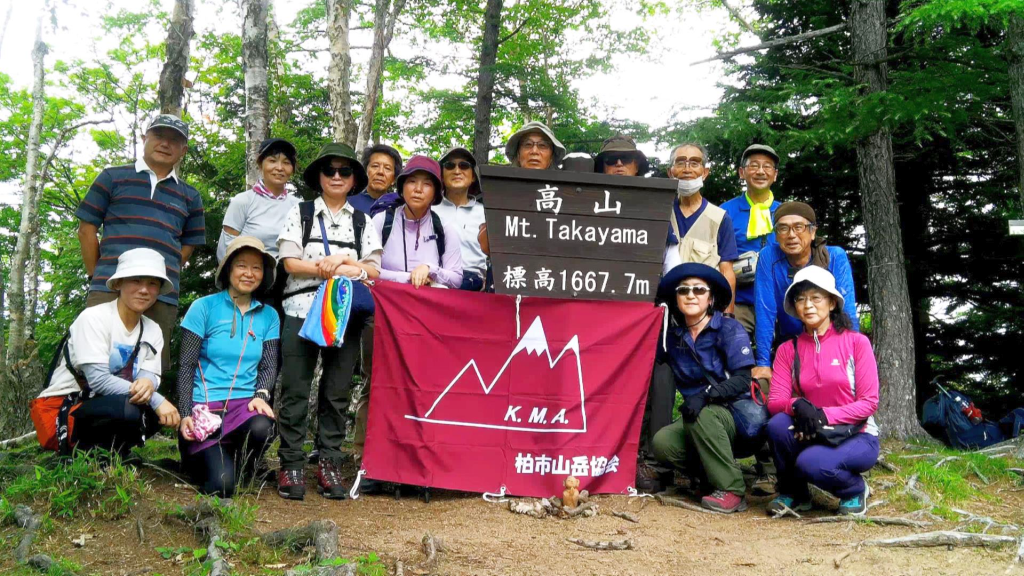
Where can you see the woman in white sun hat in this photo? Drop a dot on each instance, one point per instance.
(102, 390)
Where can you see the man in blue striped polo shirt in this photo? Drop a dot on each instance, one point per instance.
(143, 206)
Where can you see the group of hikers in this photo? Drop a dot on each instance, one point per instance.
(746, 282)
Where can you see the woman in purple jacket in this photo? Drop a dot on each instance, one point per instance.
(419, 248)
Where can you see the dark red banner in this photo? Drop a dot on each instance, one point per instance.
(473, 392)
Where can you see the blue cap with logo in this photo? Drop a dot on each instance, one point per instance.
(169, 121)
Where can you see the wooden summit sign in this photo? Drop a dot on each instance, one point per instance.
(576, 235)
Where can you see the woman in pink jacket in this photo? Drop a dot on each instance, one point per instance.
(824, 392)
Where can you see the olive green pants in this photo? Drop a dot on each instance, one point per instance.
(703, 448)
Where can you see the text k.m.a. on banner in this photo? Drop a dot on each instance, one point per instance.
(473, 391)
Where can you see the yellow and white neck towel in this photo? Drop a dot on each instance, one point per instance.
(760, 223)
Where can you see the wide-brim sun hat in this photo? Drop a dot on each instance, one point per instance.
(619, 144)
(512, 146)
(474, 188)
(820, 278)
(142, 263)
(420, 163)
(720, 289)
(234, 249)
(311, 175)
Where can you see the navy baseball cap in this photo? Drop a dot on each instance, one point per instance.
(169, 121)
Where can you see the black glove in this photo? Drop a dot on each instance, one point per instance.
(808, 419)
(692, 406)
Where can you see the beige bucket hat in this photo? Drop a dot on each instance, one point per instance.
(237, 245)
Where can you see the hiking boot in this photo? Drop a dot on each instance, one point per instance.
(722, 501)
(329, 483)
(291, 485)
(855, 506)
(648, 480)
(764, 485)
(782, 501)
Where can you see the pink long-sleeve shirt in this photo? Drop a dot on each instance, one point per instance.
(420, 240)
(838, 374)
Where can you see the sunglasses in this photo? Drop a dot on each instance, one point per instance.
(696, 290)
(461, 164)
(615, 157)
(330, 171)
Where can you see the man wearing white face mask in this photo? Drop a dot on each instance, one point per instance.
(700, 231)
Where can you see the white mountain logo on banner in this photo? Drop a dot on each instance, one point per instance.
(523, 414)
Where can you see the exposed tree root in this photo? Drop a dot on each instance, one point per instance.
(15, 442)
(879, 520)
(667, 501)
(972, 518)
(603, 544)
(916, 492)
(949, 538)
(323, 534)
(626, 516)
(431, 548)
(28, 520)
(786, 511)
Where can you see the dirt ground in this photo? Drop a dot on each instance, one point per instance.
(485, 538)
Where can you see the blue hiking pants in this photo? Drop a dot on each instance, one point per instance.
(833, 469)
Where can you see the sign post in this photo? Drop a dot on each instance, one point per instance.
(576, 235)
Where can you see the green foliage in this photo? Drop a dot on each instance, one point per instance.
(95, 482)
(369, 565)
(235, 516)
(948, 110)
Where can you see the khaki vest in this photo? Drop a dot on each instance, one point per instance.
(700, 244)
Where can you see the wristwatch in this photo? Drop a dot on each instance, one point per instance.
(265, 393)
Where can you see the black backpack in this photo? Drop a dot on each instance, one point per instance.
(306, 210)
(435, 220)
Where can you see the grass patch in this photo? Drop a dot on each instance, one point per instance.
(96, 481)
(158, 448)
(369, 565)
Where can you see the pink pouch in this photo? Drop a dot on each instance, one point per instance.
(205, 422)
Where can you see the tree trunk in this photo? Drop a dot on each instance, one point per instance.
(282, 115)
(179, 35)
(34, 265)
(1015, 43)
(339, 70)
(254, 63)
(29, 207)
(891, 324)
(485, 82)
(384, 17)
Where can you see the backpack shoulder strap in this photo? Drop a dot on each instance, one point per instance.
(389, 223)
(61, 353)
(435, 220)
(306, 216)
(796, 368)
(358, 225)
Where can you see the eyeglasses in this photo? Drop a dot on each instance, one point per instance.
(614, 158)
(783, 229)
(541, 145)
(343, 171)
(815, 299)
(692, 164)
(696, 290)
(461, 164)
(755, 166)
